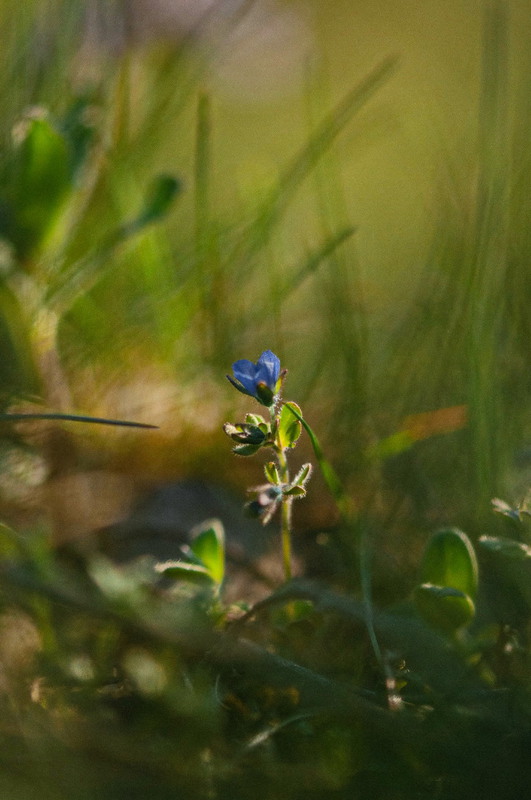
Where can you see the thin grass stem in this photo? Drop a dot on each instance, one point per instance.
(351, 518)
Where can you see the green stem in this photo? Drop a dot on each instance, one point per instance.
(353, 519)
(285, 508)
(329, 474)
(285, 514)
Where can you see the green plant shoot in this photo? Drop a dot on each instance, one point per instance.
(263, 381)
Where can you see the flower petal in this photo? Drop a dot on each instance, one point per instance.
(258, 380)
(268, 369)
(245, 373)
(237, 385)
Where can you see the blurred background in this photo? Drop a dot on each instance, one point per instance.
(346, 184)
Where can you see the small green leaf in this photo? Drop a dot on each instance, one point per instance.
(37, 180)
(289, 427)
(184, 570)
(160, 195)
(444, 607)
(255, 419)
(244, 433)
(295, 491)
(271, 473)
(328, 472)
(507, 548)
(503, 508)
(159, 198)
(208, 545)
(449, 560)
(246, 449)
(303, 475)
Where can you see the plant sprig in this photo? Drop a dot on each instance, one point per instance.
(263, 381)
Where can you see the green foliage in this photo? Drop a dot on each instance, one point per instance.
(444, 607)
(449, 560)
(289, 428)
(287, 682)
(507, 548)
(36, 183)
(205, 556)
(303, 476)
(157, 203)
(271, 473)
(208, 545)
(449, 581)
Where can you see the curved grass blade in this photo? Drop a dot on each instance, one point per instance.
(75, 418)
(349, 515)
(307, 158)
(83, 274)
(330, 476)
(316, 258)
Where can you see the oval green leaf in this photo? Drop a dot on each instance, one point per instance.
(271, 473)
(289, 427)
(39, 177)
(208, 545)
(444, 607)
(507, 548)
(449, 560)
(183, 570)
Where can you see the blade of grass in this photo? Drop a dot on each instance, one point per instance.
(302, 164)
(81, 276)
(315, 259)
(489, 262)
(355, 522)
(281, 288)
(340, 295)
(202, 173)
(75, 418)
(209, 278)
(459, 325)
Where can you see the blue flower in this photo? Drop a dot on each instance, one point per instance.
(261, 380)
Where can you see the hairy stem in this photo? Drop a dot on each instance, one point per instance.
(285, 514)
